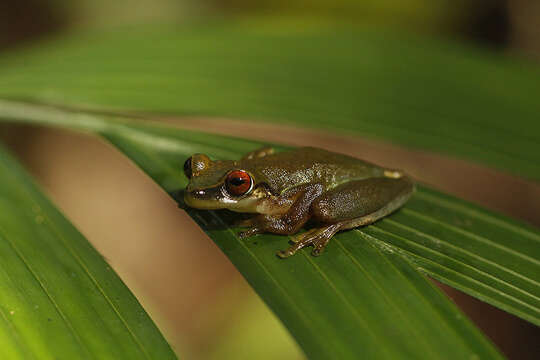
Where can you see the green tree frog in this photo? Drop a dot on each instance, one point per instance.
(286, 189)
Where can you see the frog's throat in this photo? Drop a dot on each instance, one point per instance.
(248, 204)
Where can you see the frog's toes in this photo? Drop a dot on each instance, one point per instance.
(319, 238)
(285, 253)
(250, 232)
(318, 247)
(299, 244)
(301, 237)
(323, 237)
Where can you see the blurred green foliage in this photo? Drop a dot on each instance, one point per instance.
(423, 15)
(408, 89)
(451, 17)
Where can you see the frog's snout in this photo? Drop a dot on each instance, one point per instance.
(193, 196)
(198, 193)
(201, 199)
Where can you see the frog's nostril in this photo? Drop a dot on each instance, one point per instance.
(198, 193)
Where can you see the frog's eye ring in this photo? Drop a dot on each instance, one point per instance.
(238, 183)
(187, 168)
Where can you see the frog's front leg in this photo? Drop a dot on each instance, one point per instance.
(291, 221)
(353, 204)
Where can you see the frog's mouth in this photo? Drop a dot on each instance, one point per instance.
(218, 198)
(205, 199)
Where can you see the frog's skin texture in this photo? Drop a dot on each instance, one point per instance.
(335, 191)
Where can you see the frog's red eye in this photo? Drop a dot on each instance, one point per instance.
(238, 182)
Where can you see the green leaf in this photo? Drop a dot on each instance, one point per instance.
(366, 294)
(419, 92)
(58, 298)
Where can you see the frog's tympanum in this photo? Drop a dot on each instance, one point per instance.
(334, 191)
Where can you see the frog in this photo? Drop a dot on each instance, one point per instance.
(285, 190)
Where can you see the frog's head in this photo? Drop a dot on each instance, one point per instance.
(221, 185)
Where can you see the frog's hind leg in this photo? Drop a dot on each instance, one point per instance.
(354, 204)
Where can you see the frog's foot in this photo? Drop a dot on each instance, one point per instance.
(250, 232)
(318, 237)
(307, 234)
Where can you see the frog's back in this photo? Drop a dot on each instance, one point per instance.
(304, 165)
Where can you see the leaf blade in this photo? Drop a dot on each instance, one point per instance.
(59, 298)
(342, 304)
(368, 82)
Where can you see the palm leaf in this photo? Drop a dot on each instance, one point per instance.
(418, 92)
(366, 295)
(59, 299)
